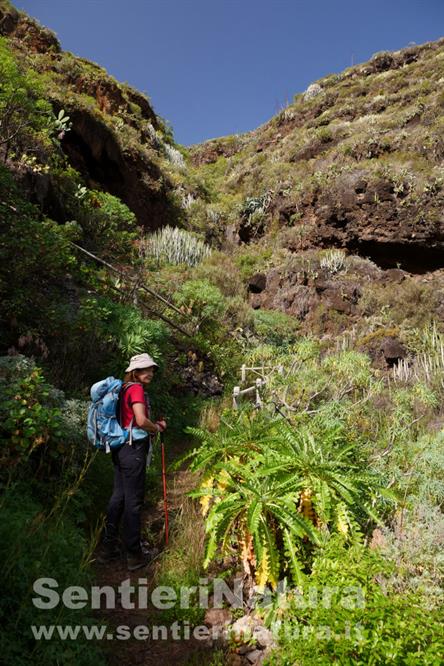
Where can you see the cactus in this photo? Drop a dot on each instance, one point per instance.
(333, 261)
(62, 124)
(175, 246)
(174, 156)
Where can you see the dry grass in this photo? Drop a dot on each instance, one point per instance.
(182, 560)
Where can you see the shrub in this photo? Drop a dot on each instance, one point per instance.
(203, 301)
(256, 258)
(26, 119)
(269, 487)
(360, 621)
(174, 156)
(103, 334)
(26, 235)
(324, 135)
(28, 419)
(274, 327)
(415, 542)
(109, 227)
(220, 269)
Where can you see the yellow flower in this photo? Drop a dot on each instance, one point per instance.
(206, 499)
(341, 520)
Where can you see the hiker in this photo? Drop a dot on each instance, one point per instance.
(130, 465)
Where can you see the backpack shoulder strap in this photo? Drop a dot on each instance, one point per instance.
(122, 391)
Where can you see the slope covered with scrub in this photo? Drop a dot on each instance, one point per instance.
(355, 161)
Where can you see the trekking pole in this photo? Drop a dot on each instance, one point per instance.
(165, 504)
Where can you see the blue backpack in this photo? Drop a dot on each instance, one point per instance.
(103, 429)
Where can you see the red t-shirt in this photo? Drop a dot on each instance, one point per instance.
(131, 396)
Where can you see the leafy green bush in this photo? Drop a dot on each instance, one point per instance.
(27, 236)
(27, 422)
(27, 123)
(343, 614)
(274, 327)
(203, 301)
(109, 227)
(42, 434)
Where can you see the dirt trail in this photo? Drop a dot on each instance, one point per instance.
(146, 652)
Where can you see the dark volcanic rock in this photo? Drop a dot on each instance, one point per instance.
(392, 350)
(257, 283)
(370, 219)
(93, 149)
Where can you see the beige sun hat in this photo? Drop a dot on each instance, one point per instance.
(140, 361)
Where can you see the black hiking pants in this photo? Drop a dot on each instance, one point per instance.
(128, 494)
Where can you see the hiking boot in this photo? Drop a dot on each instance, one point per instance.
(151, 552)
(138, 560)
(107, 552)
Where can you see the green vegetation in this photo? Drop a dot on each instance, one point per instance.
(382, 626)
(45, 461)
(273, 484)
(297, 496)
(338, 480)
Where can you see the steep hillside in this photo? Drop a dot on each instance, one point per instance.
(335, 207)
(331, 212)
(82, 158)
(354, 162)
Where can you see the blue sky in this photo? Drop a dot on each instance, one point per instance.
(217, 67)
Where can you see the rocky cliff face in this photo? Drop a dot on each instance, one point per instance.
(342, 194)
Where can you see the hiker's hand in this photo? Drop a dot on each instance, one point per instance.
(162, 425)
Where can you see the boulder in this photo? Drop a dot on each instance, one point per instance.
(393, 350)
(255, 657)
(263, 636)
(257, 283)
(242, 629)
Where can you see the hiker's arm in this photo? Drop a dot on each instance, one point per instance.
(141, 420)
